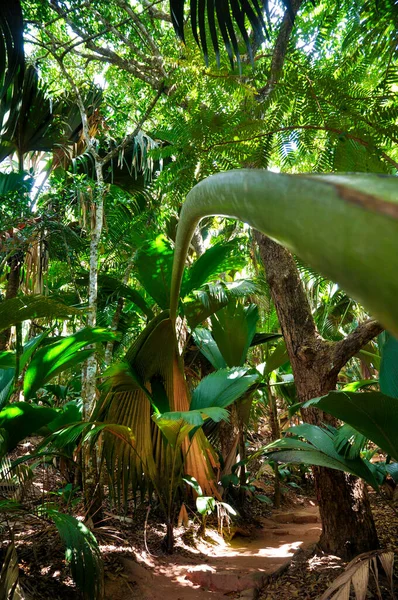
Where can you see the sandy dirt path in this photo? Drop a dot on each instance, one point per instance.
(221, 571)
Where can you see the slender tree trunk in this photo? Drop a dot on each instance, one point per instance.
(347, 522)
(91, 476)
(14, 277)
(275, 434)
(89, 380)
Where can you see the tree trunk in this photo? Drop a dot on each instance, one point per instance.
(91, 476)
(14, 277)
(347, 523)
(275, 435)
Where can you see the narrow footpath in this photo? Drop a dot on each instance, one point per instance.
(220, 570)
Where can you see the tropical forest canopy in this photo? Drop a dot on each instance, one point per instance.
(162, 348)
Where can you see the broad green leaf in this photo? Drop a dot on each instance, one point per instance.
(178, 424)
(7, 360)
(320, 438)
(208, 347)
(63, 354)
(205, 505)
(373, 414)
(354, 386)
(264, 498)
(154, 263)
(345, 210)
(20, 419)
(22, 308)
(233, 329)
(71, 413)
(218, 259)
(388, 375)
(212, 297)
(222, 388)
(277, 358)
(6, 385)
(349, 442)
(30, 347)
(312, 456)
(392, 470)
(193, 483)
(175, 427)
(265, 338)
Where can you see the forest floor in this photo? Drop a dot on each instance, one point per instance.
(267, 554)
(212, 567)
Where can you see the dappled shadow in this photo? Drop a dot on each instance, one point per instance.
(218, 567)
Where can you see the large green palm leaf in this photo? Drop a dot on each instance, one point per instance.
(329, 221)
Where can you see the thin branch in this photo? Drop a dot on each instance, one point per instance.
(156, 13)
(103, 54)
(146, 36)
(350, 136)
(112, 153)
(280, 49)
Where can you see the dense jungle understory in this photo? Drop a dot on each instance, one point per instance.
(198, 299)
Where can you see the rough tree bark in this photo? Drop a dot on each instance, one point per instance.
(347, 522)
(13, 281)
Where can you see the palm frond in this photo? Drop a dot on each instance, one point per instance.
(150, 381)
(82, 553)
(16, 310)
(12, 57)
(231, 17)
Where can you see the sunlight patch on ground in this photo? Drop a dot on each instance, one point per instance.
(283, 551)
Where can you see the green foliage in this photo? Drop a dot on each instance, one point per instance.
(327, 205)
(17, 310)
(208, 347)
(222, 388)
(9, 575)
(388, 375)
(233, 329)
(20, 419)
(82, 553)
(232, 19)
(154, 263)
(63, 354)
(220, 258)
(318, 449)
(373, 414)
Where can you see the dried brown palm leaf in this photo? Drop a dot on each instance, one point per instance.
(357, 574)
(152, 380)
(183, 518)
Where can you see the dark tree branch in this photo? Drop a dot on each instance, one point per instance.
(104, 54)
(280, 49)
(350, 346)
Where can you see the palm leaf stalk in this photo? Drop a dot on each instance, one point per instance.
(328, 220)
